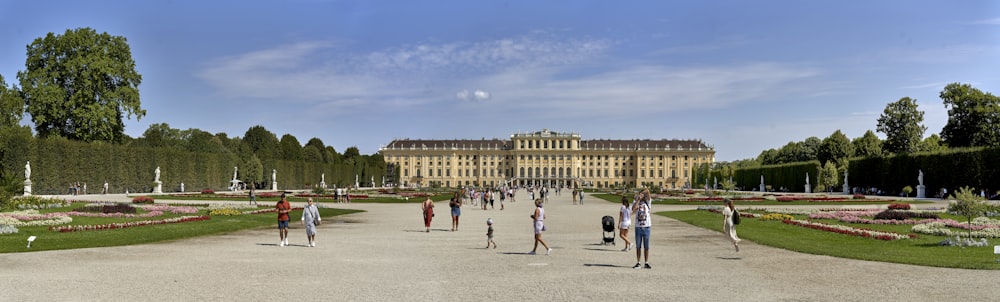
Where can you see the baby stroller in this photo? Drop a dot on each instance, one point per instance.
(608, 223)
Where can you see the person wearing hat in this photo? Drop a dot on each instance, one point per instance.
(539, 218)
(489, 233)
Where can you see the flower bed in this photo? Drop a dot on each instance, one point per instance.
(122, 225)
(720, 199)
(33, 218)
(777, 216)
(142, 199)
(225, 212)
(899, 206)
(207, 191)
(940, 228)
(36, 203)
(106, 208)
(843, 229)
(7, 229)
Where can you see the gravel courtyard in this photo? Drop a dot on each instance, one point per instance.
(385, 255)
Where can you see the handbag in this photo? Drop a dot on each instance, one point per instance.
(736, 217)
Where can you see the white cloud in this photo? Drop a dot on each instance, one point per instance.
(477, 95)
(994, 21)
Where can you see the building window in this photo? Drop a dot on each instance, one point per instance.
(406, 172)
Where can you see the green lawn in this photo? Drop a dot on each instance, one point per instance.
(53, 240)
(920, 251)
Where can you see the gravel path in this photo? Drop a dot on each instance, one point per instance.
(384, 255)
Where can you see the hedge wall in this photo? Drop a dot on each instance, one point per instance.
(56, 162)
(790, 176)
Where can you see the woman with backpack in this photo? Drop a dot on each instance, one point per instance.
(728, 226)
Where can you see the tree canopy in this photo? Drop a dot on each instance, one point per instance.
(973, 117)
(901, 122)
(868, 145)
(835, 148)
(11, 104)
(80, 84)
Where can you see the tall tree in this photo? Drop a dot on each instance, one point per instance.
(868, 145)
(80, 84)
(932, 143)
(11, 104)
(973, 117)
(290, 148)
(161, 135)
(835, 148)
(828, 177)
(901, 122)
(261, 142)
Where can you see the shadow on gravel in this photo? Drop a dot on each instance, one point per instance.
(604, 265)
(275, 245)
(730, 258)
(516, 253)
(602, 250)
(425, 231)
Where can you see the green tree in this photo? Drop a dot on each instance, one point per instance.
(79, 84)
(290, 148)
(261, 142)
(868, 145)
(828, 177)
(311, 154)
(160, 135)
(968, 204)
(932, 143)
(836, 148)
(901, 124)
(11, 104)
(973, 117)
(197, 140)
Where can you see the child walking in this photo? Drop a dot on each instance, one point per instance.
(489, 233)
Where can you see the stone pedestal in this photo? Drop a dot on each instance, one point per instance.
(847, 190)
(27, 187)
(274, 186)
(921, 191)
(809, 188)
(762, 188)
(159, 187)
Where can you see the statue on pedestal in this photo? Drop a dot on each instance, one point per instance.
(157, 179)
(27, 170)
(920, 177)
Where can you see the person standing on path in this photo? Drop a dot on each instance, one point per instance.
(625, 221)
(310, 218)
(728, 210)
(581, 197)
(456, 210)
(489, 233)
(253, 196)
(428, 209)
(539, 218)
(283, 208)
(643, 222)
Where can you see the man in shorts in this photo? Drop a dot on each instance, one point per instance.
(283, 208)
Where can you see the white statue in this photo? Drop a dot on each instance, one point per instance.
(157, 179)
(274, 174)
(235, 169)
(27, 170)
(322, 178)
(762, 179)
(807, 178)
(920, 177)
(845, 176)
(373, 181)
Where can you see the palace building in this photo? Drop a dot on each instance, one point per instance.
(544, 158)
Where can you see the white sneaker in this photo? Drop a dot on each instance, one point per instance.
(549, 251)
(312, 244)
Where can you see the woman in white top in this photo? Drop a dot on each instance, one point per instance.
(625, 218)
(539, 218)
(727, 226)
(310, 217)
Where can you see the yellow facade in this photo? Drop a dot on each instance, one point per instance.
(545, 158)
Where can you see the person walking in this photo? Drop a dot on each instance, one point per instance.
(625, 219)
(310, 218)
(456, 210)
(728, 210)
(283, 208)
(581, 197)
(253, 196)
(539, 219)
(489, 233)
(428, 209)
(643, 222)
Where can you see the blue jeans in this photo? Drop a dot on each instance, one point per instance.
(642, 237)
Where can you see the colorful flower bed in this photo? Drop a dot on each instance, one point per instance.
(33, 218)
(36, 203)
(843, 229)
(142, 199)
(171, 209)
(7, 229)
(224, 212)
(122, 225)
(940, 228)
(776, 216)
(720, 199)
(899, 206)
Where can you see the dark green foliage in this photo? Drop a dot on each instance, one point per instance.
(973, 117)
(904, 215)
(792, 177)
(11, 104)
(901, 123)
(79, 85)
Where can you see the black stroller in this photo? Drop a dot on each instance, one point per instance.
(608, 223)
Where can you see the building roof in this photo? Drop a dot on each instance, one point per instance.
(616, 144)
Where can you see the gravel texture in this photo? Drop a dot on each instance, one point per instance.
(385, 255)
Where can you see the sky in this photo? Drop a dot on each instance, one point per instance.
(742, 76)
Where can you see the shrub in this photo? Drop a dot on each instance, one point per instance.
(899, 206)
(207, 191)
(903, 215)
(142, 199)
(107, 208)
(858, 196)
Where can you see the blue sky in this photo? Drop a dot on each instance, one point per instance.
(744, 76)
